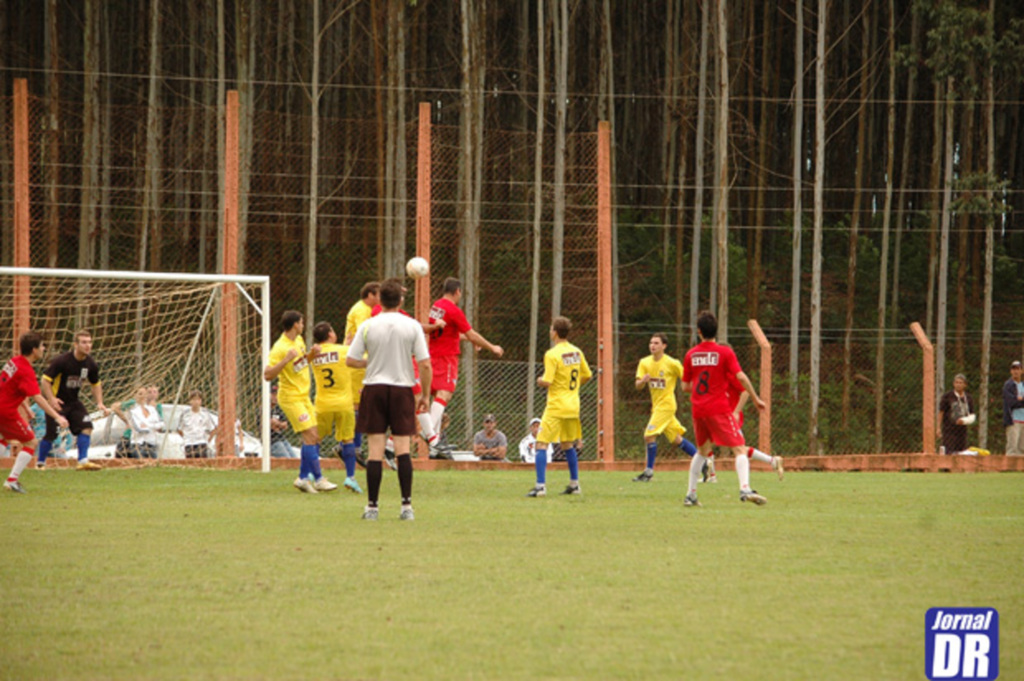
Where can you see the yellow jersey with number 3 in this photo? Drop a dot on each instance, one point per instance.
(293, 380)
(566, 369)
(333, 378)
(665, 375)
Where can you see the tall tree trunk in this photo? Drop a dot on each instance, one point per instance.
(798, 205)
(314, 174)
(819, 217)
(50, 149)
(935, 207)
(698, 170)
(221, 107)
(858, 195)
(761, 183)
(686, 57)
(105, 173)
(246, 23)
(947, 199)
(908, 130)
(538, 209)
(669, 127)
(378, 14)
(561, 42)
(91, 139)
(990, 223)
(965, 156)
(890, 152)
(722, 175)
(607, 103)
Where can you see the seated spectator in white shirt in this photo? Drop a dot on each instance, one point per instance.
(195, 428)
(146, 423)
(490, 444)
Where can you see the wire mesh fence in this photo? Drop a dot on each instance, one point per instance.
(125, 200)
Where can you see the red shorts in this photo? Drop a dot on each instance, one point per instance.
(13, 427)
(721, 429)
(446, 373)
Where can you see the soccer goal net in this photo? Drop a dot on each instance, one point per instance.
(158, 339)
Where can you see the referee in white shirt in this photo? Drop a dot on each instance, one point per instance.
(387, 400)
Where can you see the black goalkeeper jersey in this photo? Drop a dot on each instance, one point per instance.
(67, 375)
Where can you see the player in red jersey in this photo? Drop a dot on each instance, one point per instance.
(706, 372)
(738, 399)
(18, 381)
(451, 324)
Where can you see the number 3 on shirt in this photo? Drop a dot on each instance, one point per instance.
(328, 378)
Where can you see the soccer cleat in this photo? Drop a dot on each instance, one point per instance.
(88, 466)
(389, 459)
(704, 472)
(572, 489)
(350, 483)
(304, 485)
(14, 486)
(754, 497)
(537, 491)
(441, 452)
(324, 485)
(777, 466)
(40, 466)
(361, 459)
(407, 514)
(691, 500)
(371, 513)
(644, 477)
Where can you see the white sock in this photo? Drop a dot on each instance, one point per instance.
(758, 455)
(427, 427)
(23, 460)
(696, 463)
(743, 472)
(436, 412)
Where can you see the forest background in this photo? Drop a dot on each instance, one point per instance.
(834, 170)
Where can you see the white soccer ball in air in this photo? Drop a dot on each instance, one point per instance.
(417, 267)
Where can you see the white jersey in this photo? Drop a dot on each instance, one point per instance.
(196, 427)
(145, 424)
(388, 340)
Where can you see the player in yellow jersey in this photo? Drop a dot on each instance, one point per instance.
(334, 412)
(289, 363)
(565, 371)
(660, 373)
(369, 297)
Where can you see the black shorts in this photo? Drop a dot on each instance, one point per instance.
(78, 420)
(387, 406)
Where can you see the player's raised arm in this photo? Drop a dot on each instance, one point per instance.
(476, 339)
(273, 370)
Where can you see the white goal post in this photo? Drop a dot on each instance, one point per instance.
(178, 331)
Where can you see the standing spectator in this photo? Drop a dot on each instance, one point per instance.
(490, 444)
(62, 379)
(1013, 411)
(289, 362)
(528, 444)
(449, 324)
(195, 428)
(707, 369)
(146, 423)
(279, 445)
(565, 372)
(388, 340)
(18, 381)
(956, 412)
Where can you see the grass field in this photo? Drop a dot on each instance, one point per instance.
(171, 574)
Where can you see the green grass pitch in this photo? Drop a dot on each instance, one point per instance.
(166, 573)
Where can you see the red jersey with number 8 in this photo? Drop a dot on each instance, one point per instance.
(707, 368)
(446, 341)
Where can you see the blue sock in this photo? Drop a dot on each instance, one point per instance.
(44, 450)
(357, 441)
(652, 453)
(83, 446)
(688, 447)
(311, 455)
(541, 464)
(574, 463)
(304, 461)
(348, 455)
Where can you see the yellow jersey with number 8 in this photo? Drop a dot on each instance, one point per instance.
(566, 369)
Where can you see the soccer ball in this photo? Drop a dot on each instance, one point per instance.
(417, 267)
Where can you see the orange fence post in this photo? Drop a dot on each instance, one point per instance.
(228, 320)
(765, 422)
(928, 389)
(21, 209)
(605, 337)
(423, 206)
